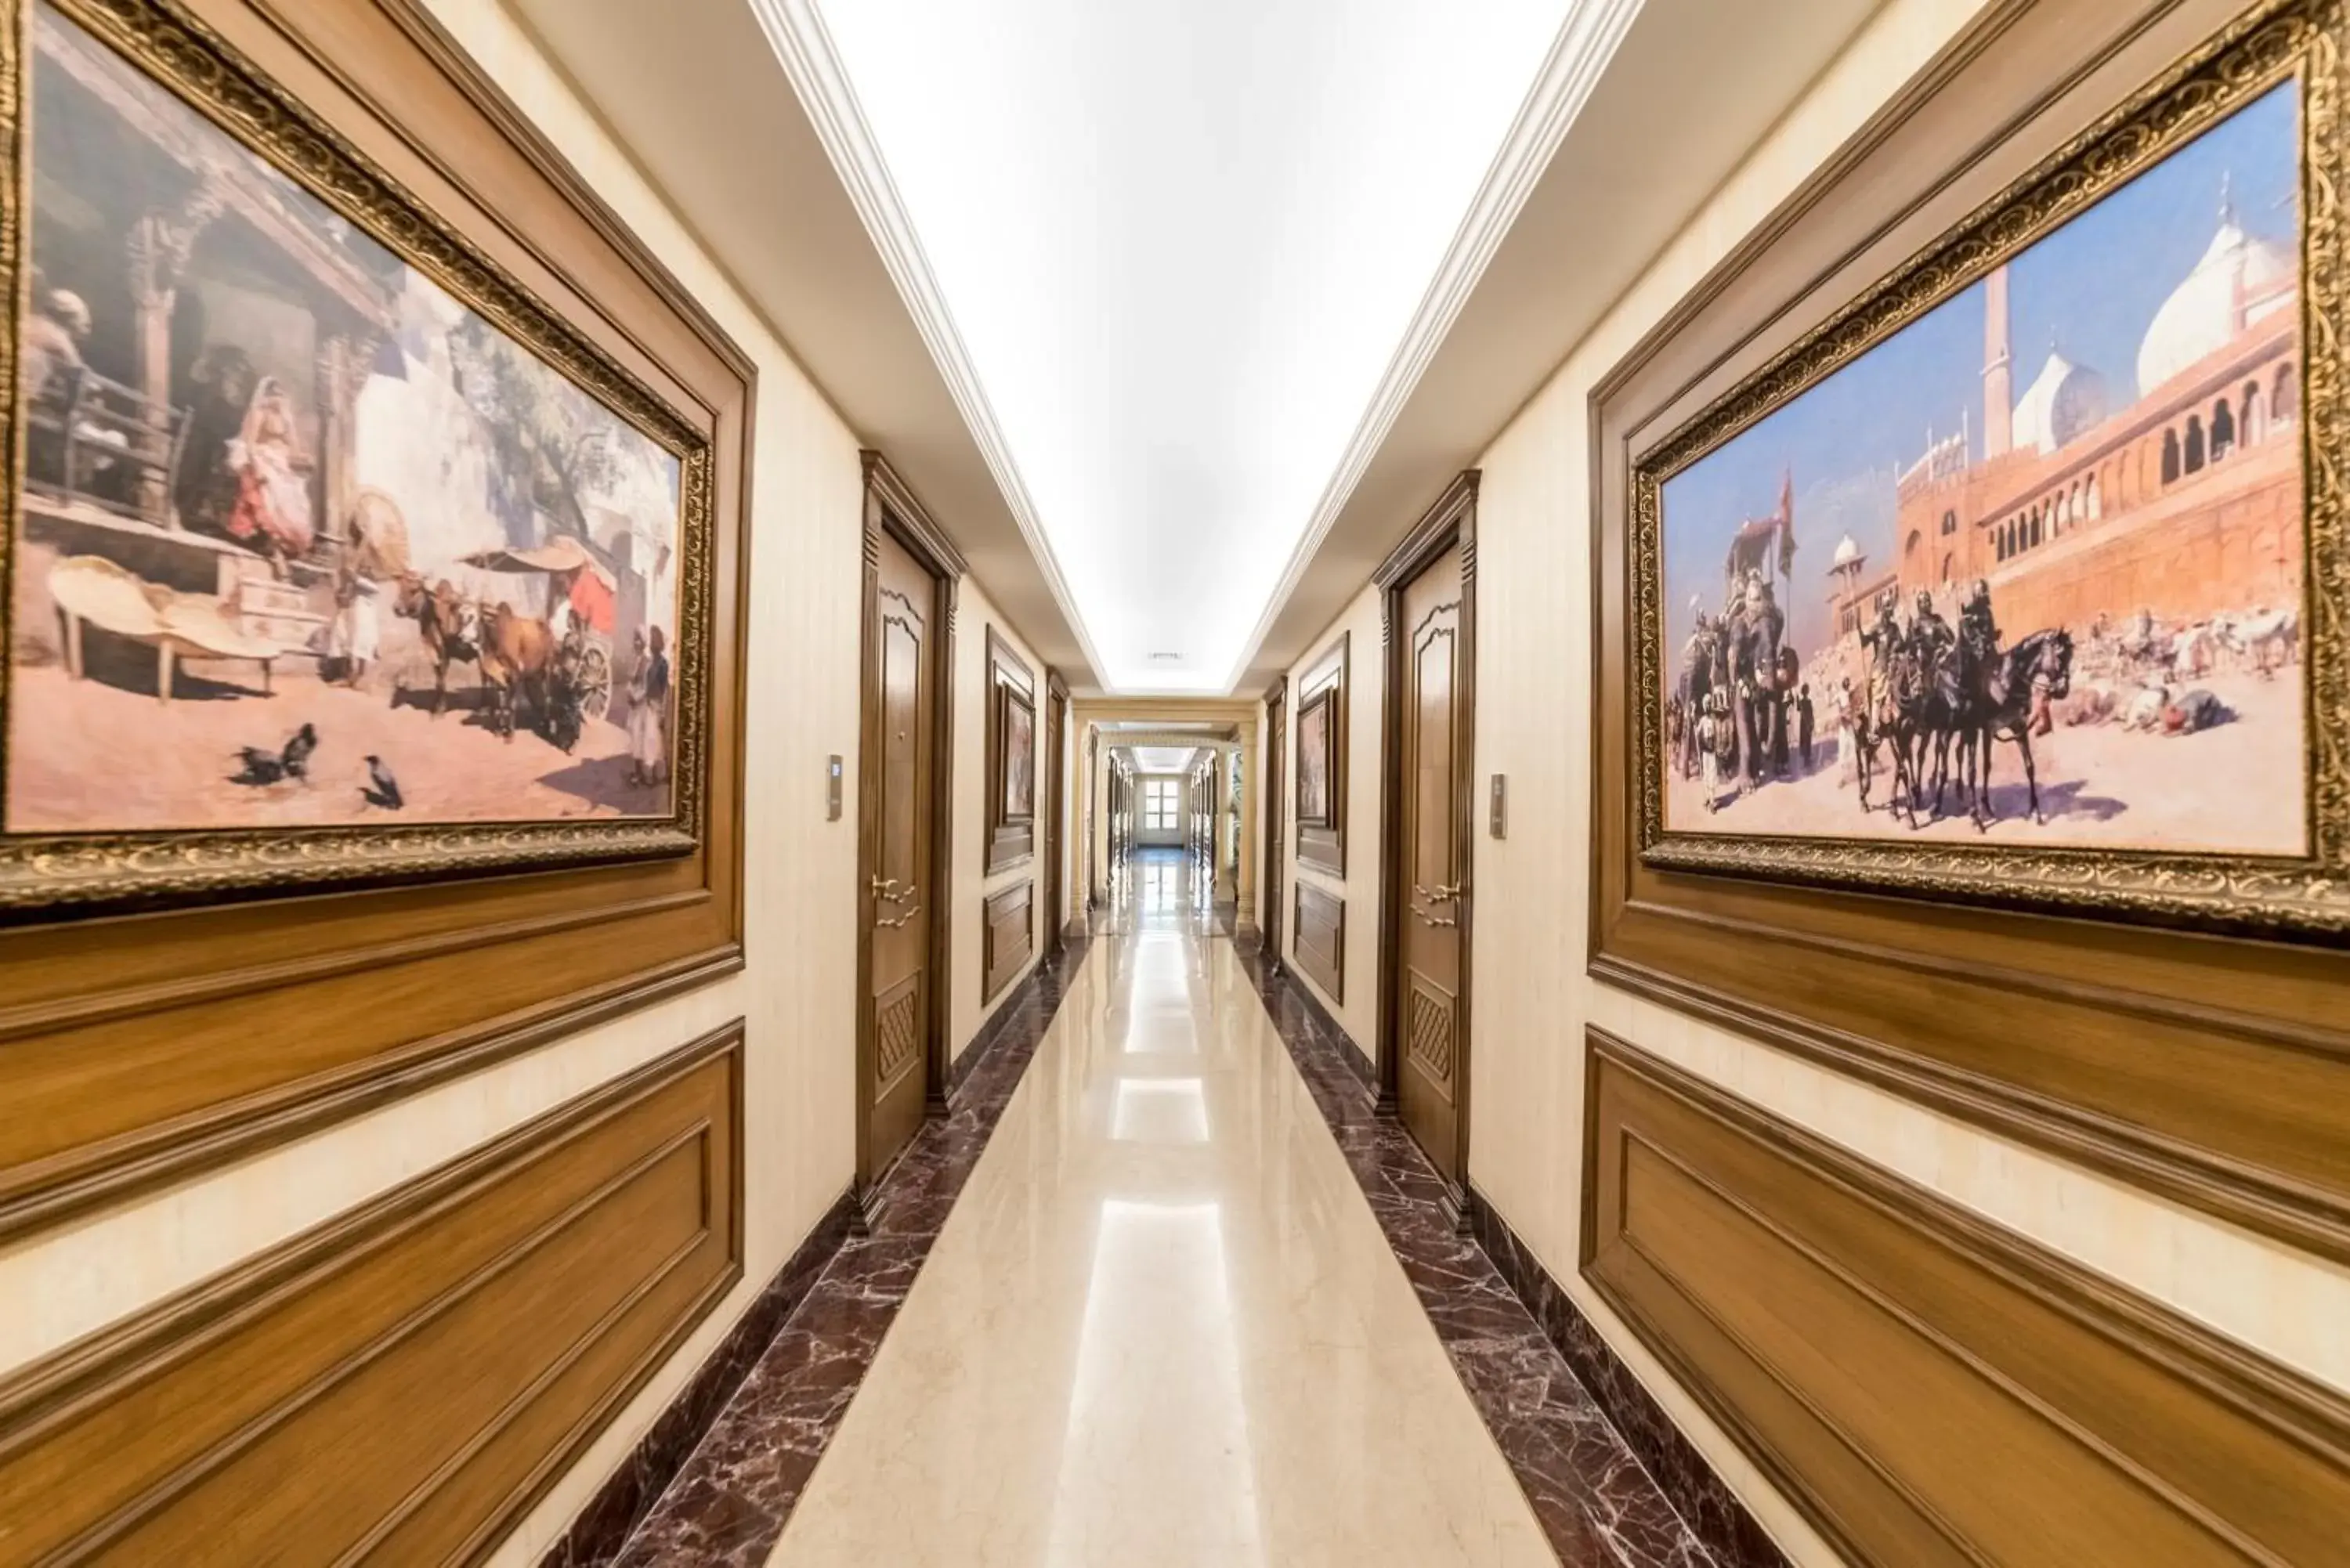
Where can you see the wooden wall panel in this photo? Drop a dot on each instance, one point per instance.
(1010, 936)
(138, 1048)
(1321, 950)
(398, 1385)
(1928, 1388)
(2213, 1071)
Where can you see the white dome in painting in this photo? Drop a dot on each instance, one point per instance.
(2239, 281)
(1847, 553)
(2062, 400)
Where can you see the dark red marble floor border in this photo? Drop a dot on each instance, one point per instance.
(1358, 1060)
(1698, 1492)
(721, 1500)
(628, 1494)
(1598, 1506)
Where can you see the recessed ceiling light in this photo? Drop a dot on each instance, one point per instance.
(1165, 658)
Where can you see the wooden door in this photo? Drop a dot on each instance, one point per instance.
(901, 698)
(1429, 1007)
(1056, 837)
(1275, 808)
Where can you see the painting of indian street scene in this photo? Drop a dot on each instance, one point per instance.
(2029, 571)
(301, 538)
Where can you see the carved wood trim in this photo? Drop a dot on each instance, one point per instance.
(910, 520)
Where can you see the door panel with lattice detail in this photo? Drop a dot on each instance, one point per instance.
(901, 686)
(1431, 769)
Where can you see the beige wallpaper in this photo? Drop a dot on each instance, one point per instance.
(1533, 997)
(1365, 687)
(974, 613)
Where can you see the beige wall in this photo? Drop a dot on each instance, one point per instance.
(1534, 996)
(974, 613)
(1365, 687)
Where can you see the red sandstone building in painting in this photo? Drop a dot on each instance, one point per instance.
(2185, 503)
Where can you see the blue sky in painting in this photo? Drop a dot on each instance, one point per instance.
(2091, 288)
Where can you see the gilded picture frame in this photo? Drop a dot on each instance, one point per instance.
(1319, 785)
(2303, 896)
(47, 875)
(1011, 755)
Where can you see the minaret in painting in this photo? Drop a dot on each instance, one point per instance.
(1999, 389)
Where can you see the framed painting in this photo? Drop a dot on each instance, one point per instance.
(1314, 759)
(1999, 584)
(1991, 750)
(375, 537)
(332, 554)
(1019, 757)
(1011, 755)
(1321, 761)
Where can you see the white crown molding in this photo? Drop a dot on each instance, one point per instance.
(1578, 56)
(795, 30)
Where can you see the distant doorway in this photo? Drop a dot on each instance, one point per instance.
(1056, 806)
(1276, 769)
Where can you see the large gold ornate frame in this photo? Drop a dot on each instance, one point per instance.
(2306, 896)
(55, 873)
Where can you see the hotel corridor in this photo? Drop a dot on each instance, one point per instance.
(1162, 1323)
(885, 783)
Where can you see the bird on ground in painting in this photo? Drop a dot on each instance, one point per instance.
(296, 755)
(381, 789)
(261, 767)
(291, 761)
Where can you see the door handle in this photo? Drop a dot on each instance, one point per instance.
(1449, 893)
(888, 892)
(905, 920)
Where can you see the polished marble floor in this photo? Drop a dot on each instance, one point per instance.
(1161, 1324)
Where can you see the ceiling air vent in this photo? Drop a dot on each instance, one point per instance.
(1165, 658)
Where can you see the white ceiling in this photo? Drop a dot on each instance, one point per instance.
(1162, 759)
(1176, 316)
(1179, 243)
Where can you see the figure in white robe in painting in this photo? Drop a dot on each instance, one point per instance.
(647, 710)
(1848, 716)
(353, 638)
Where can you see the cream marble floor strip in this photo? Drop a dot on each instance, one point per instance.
(1161, 1326)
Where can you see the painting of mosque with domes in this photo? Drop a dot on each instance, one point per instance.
(2031, 570)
